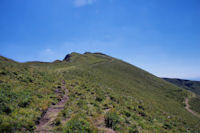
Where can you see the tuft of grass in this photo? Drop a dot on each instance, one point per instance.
(112, 120)
(78, 124)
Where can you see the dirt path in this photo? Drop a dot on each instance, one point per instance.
(187, 107)
(100, 124)
(45, 123)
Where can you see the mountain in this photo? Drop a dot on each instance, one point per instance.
(193, 86)
(90, 92)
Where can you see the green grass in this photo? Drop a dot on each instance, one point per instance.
(25, 93)
(112, 120)
(99, 87)
(193, 86)
(78, 124)
(195, 104)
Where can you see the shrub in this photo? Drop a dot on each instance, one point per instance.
(24, 103)
(78, 125)
(99, 99)
(5, 108)
(112, 120)
(167, 125)
(142, 114)
(6, 124)
(127, 114)
(133, 129)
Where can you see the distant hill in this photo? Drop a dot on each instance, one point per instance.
(90, 93)
(193, 86)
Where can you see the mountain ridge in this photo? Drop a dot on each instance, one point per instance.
(190, 85)
(136, 100)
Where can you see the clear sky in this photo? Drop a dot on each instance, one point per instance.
(160, 36)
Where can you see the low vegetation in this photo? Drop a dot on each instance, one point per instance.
(78, 124)
(112, 120)
(195, 104)
(125, 97)
(193, 86)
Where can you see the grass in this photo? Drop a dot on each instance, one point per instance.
(78, 124)
(25, 93)
(130, 99)
(193, 86)
(195, 104)
(112, 120)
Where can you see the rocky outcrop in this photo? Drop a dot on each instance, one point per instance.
(67, 57)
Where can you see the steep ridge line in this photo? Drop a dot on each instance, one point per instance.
(187, 107)
(45, 123)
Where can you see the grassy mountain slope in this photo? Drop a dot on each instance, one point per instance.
(104, 92)
(193, 86)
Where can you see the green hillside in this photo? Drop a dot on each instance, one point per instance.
(103, 94)
(193, 86)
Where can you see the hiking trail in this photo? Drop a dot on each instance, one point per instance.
(45, 123)
(187, 107)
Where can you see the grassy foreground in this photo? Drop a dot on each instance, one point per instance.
(104, 93)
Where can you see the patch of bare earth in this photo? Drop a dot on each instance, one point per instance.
(45, 123)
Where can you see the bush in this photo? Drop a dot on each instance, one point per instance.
(78, 125)
(112, 120)
(127, 114)
(167, 125)
(99, 99)
(133, 129)
(6, 124)
(24, 103)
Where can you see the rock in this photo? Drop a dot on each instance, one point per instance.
(67, 57)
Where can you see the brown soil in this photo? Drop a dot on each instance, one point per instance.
(45, 123)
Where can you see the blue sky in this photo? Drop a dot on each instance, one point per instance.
(160, 36)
